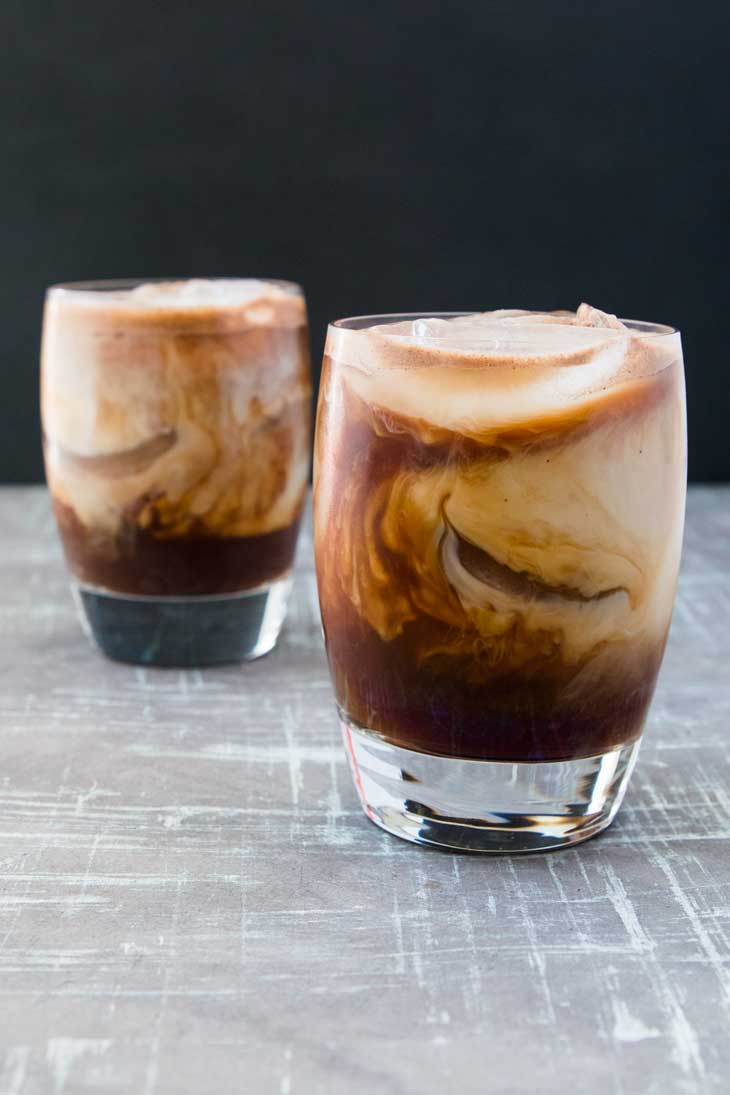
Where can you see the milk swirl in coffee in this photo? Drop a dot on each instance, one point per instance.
(176, 431)
(498, 518)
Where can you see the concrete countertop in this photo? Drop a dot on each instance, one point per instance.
(192, 902)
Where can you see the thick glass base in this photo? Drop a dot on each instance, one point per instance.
(486, 806)
(187, 632)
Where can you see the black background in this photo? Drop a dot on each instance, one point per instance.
(389, 156)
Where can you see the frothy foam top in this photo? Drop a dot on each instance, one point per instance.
(497, 368)
(221, 301)
(513, 333)
(196, 293)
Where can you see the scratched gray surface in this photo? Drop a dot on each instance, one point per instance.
(191, 901)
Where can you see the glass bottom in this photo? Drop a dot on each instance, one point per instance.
(184, 632)
(483, 806)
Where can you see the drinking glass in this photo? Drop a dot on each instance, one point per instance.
(499, 504)
(176, 423)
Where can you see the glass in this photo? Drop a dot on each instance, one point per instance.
(176, 427)
(499, 506)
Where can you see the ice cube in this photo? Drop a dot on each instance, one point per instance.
(513, 332)
(588, 316)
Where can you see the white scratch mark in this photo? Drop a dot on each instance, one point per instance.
(12, 1075)
(685, 1047)
(336, 834)
(702, 935)
(624, 907)
(685, 1044)
(87, 872)
(40, 848)
(467, 923)
(248, 752)
(293, 754)
(627, 1028)
(88, 796)
(61, 1054)
(535, 954)
(153, 1065)
(400, 959)
(176, 815)
(425, 940)
(11, 900)
(285, 1081)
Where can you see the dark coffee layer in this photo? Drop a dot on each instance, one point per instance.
(140, 561)
(545, 714)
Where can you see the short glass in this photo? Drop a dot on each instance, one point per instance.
(176, 429)
(498, 529)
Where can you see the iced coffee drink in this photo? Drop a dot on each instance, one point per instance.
(176, 421)
(499, 504)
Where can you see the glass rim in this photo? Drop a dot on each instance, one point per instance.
(111, 285)
(357, 323)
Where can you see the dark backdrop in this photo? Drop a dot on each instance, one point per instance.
(390, 156)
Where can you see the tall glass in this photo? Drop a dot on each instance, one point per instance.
(499, 503)
(176, 422)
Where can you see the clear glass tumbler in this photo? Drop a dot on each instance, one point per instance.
(176, 428)
(499, 504)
